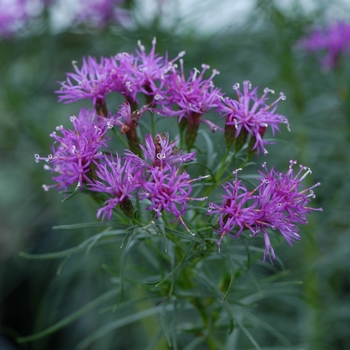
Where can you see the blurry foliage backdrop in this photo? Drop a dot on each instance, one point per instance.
(259, 46)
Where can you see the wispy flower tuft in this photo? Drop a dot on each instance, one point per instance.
(76, 153)
(119, 179)
(252, 115)
(279, 202)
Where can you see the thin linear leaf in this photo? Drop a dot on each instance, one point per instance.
(76, 191)
(60, 266)
(186, 235)
(63, 253)
(194, 343)
(65, 321)
(233, 273)
(248, 335)
(117, 324)
(89, 225)
(182, 263)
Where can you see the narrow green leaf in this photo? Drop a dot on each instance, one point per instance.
(246, 246)
(90, 225)
(249, 336)
(229, 285)
(186, 235)
(60, 266)
(116, 325)
(64, 253)
(76, 191)
(110, 270)
(160, 227)
(65, 321)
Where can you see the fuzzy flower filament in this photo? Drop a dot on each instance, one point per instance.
(193, 97)
(279, 202)
(76, 153)
(119, 179)
(164, 182)
(251, 115)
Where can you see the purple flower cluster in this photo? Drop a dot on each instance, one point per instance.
(167, 92)
(119, 180)
(76, 153)
(158, 178)
(333, 40)
(277, 203)
(251, 114)
(152, 169)
(125, 73)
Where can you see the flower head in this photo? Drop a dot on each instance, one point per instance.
(277, 203)
(333, 40)
(151, 70)
(75, 153)
(168, 189)
(92, 81)
(119, 179)
(159, 152)
(252, 114)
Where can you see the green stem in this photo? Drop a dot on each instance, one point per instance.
(153, 125)
(120, 138)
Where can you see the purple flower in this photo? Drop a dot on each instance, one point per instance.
(118, 179)
(151, 70)
(160, 152)
(75, 153)
(193, 97)
(163, 181)
(124, 73)
(251, 114)
(93, 81)
(333, 40)
(168, 188)
(277, 203)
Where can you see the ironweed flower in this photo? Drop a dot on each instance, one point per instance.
(252, 115)
(151, 70)
(160, 152)
(163, 181)
(277, 203)
(125, 73)
(333, 40)
(120, 180)
(92, 81)
(168, 188)
(193, 97)
(76, 153)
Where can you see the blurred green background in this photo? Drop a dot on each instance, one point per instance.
(253, 41)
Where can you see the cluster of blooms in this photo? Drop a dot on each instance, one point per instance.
(277, 202)
(166, 86)
(334, 40)
(16, 14)
(152, 170)
(157, 177)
